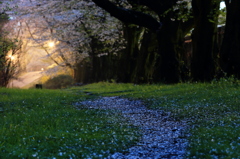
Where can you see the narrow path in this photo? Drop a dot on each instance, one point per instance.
(163, 138)
(25, 79)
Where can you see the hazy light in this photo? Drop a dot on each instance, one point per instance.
(51, 44)
(11, 57)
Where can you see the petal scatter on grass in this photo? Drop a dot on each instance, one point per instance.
(162, 136)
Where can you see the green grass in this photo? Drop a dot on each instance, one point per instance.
(212, 109)
(44, 124)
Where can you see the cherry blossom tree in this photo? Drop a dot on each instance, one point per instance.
(76, 31)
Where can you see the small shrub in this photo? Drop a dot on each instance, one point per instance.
(58, 82)
(44, 78)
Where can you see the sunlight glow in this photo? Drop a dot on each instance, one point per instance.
(11, 57)
(51, 44)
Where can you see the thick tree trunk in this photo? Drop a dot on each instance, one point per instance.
(108, 67)
(204, 39)
(171, 50)
(128, 59)
(230, 50)
(168, 70)
(146, 60)
(83, 71)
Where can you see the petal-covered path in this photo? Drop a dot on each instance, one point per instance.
(162, 136)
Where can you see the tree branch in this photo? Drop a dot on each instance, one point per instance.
(157, 6)
(129, 16)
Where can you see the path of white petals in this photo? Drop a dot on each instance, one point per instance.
(162, 136)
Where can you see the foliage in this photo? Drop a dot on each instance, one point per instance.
(211, 109)
(58, 82)
(44, 124)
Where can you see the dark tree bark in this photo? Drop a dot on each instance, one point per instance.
(230, 50)
(128, 59)
(81, 72)
(146, 61)
(171, 40)
(204, 39)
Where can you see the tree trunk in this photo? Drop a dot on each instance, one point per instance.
(83, 71)
(230, 50)
(204, 37)
(171, 40)
(167, 67)
(128, 59)
(146, 60)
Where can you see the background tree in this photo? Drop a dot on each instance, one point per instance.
(177, 23)
(135, 62)
(167, 67)
(204, 36)
(230, 50)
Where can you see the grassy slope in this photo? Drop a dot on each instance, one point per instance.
(44, 124)
(213, 110)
